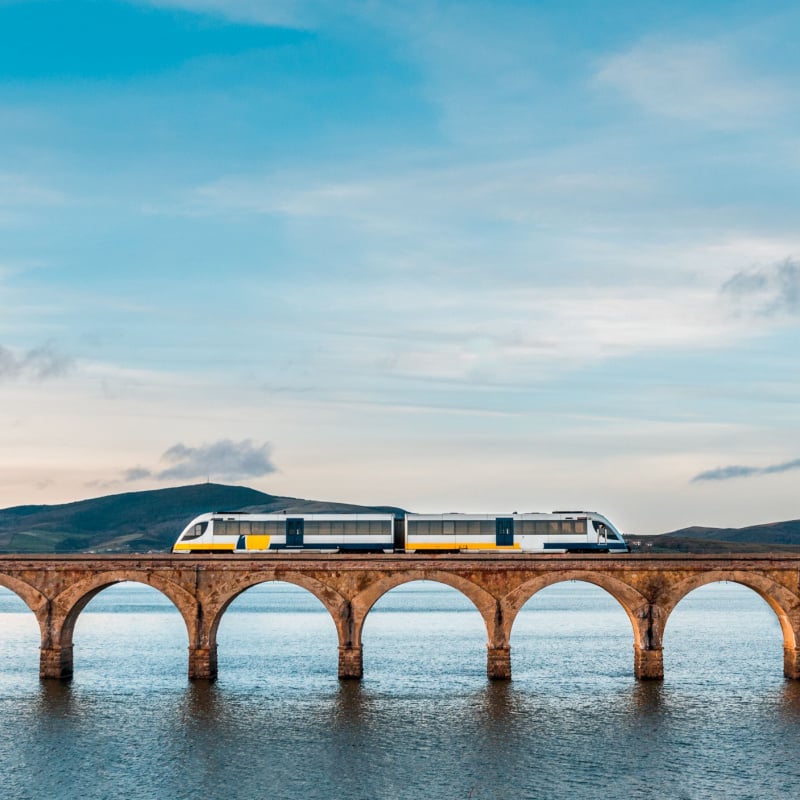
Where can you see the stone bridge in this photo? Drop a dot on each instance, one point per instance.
(58, 588)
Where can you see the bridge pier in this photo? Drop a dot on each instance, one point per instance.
(648, 664)
(351, 662)
(55, 663)
(791, 662)
(498, 662)
(203, 663)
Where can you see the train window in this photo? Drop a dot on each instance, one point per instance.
(378, 527)
(468, 527)
(352, 527)
(196, 531)
(526, 527)
(226, 528)
(580, 526)
(426, 527)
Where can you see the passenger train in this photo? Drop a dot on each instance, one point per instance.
(559, 532)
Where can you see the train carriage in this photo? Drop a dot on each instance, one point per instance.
(559, 532)
(233, 532)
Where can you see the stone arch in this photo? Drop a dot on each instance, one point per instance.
(635, 604)
(29, 595)
(783, 602)
(32, 598)
(68, 606)
(336, 605)
(485, 603)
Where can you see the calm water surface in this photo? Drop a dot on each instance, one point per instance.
(424, 722)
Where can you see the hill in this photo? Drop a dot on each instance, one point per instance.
(137, 522)
(768, 537)
(770, 533)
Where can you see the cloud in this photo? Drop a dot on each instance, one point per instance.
(697, 81)
(770, 291)
(738, 471)
(136, 474)
(39, 363)
(224, 459)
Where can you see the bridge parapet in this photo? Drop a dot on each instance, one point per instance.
(57, 589)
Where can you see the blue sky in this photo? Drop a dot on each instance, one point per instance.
(450, 256)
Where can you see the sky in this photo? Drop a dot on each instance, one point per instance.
(449, 256)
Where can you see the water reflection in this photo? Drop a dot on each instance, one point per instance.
(351, 705)
(56, 699)
(647, 697)
(789, 701)
(202, 701)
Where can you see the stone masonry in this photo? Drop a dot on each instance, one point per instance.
(57, 589)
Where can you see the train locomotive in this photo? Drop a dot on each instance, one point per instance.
(557, 532)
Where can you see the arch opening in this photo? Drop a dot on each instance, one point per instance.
(725, 633)
(421, 629)
(127, 633)
(19, 641)
(276, 634)
(573, 633)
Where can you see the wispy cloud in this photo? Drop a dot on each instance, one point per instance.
(770, 291)
(38, 363)
(739, 471)
(224, 459)
(697, 81)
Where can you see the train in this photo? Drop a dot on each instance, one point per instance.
(556, 532)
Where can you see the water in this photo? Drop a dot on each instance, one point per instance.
(424, 722)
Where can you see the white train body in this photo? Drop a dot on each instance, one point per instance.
(233, 532)
(559, 532)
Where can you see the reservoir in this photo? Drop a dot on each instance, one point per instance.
(423, 723)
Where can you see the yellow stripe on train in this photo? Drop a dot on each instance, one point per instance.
(461, 546)
(215, 546)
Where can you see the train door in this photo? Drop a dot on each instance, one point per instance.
(602, 533)
(400, 534)
(504, 530)
(294, 532)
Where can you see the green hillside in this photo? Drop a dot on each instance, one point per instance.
(787, 533)
(776, 537)
(138, 522)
